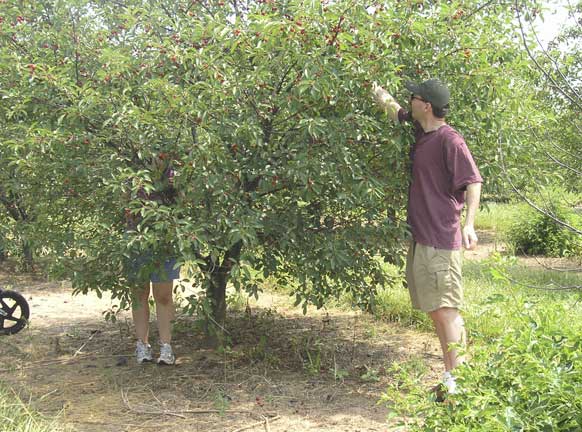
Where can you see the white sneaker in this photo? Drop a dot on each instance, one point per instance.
(167, 356)
(143, 352)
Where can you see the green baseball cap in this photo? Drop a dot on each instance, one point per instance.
(432, 90)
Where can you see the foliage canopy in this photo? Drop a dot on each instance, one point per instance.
(282, 164)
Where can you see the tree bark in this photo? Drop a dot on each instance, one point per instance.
(27, 256)
(218, 287)
(215, 326)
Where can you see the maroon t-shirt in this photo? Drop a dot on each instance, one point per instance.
(442, 167)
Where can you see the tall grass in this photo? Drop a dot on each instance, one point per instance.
(502, 217)
(17, 416)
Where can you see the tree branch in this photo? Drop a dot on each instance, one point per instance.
(563, 165)
(538, 66)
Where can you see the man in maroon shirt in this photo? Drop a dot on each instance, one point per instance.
(444, 178)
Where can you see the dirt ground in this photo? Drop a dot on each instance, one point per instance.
(324, 371)
(285, 371)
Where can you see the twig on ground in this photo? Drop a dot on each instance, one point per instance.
(264, 422)
(155, 397)
(550, 286)
(253, 376)
(267, 427)
(556, 269)
(86, 342)
(179, 413)
(47, 395)
(127, 425)
(140, 410)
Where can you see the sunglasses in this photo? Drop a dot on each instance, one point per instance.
(412, 97)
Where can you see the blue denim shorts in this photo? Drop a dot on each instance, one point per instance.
(166, 271)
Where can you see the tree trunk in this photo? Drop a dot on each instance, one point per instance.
(215, 330)
(216, 291)
(27, 258)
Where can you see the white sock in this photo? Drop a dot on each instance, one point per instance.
(449, 382)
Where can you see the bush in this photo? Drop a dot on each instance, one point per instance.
(535, 233)
(527, 379)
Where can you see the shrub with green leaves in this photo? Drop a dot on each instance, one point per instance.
(535, 233)
(282, 161)
(528, 379)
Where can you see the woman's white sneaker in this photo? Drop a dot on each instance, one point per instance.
(167, 356)
(143, 352)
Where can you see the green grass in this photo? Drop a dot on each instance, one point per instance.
(491, 301)
(497, 217)
(17, 416)
(501, 217)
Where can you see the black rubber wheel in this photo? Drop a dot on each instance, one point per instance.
(14, 312)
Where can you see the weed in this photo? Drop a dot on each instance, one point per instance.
(525, 367)
(340, 374)
(309, 350)
(370, 332)
(16, 416)
(313, 363)
(221, 402)
(262, 353)
(371, 375)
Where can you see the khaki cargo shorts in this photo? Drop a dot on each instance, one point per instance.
(434, 277)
